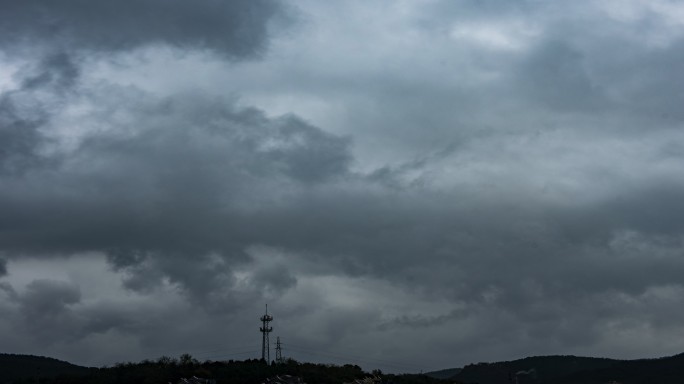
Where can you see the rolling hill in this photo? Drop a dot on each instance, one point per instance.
(22, 367)
(575, 370)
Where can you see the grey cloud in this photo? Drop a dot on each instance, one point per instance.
(9, 291)
(648, 86)
(60, 37)
(182, 195)
(55, 71)
(305, 152)
(52, 315)
(20, 137)
(195, 167)
(25, 111)
(139, 275)
(421, 321)
(49, 298)
(105, 317)
(46, 309)
(275, 278)
(176, 196)
(555, 74)
(230, 28)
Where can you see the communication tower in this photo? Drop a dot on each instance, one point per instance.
(279, 352)
(265, 330)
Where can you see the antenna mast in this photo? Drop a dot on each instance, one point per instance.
(279, 352)
(265, 330)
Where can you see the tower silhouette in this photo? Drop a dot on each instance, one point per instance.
(265, 330)
(279, 352)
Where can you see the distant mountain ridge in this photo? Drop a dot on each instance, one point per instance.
(574, 370)
(21, 367)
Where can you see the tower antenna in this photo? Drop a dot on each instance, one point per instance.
(279, 352)
(265, 330)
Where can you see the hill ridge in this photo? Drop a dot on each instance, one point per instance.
(572, 369)
(19, 367)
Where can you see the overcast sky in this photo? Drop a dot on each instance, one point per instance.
(408, 184)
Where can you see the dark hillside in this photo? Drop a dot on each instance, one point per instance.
(576, 370)
(665, 370)
(19, 367)
(23, 369)
(169, 370)
(533, 370)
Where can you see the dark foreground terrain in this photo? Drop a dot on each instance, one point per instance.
(575, 370)
(15, 368)
(23, 369)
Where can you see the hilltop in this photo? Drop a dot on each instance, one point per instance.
(33, 369)
(574, 370)
(28, 367)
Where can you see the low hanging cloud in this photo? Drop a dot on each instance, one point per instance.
(183, 181)
(185, 191)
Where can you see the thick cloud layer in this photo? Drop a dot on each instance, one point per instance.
(230, 28)
(451, 183)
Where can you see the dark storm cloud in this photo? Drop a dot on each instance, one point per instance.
(57, 38)
(61, 37)
(46, 310)
(25, 110)
(48, 298)
(181, 195)
(230, 28)
(49, 313)
(162, 198)
(275, 278)
(19, 136)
